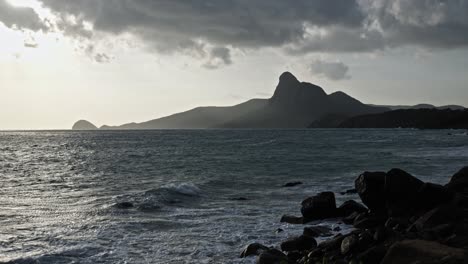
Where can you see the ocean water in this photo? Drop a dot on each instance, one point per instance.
(59, 189)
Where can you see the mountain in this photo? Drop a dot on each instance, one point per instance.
(423, 106)
(411, 118)
(84, 125)
(294, 104)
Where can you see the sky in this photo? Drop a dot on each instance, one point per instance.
(118, 61)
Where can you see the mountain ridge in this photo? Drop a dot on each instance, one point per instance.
(294, 104)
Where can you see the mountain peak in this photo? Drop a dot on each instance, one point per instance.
(287, 77)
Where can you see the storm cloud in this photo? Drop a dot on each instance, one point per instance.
(330, 70)
(212, 29)
(19, 17)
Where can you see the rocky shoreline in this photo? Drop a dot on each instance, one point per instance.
(401, 220)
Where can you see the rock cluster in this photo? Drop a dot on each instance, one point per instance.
(404, 220)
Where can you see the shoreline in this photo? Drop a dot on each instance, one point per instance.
(399, 219)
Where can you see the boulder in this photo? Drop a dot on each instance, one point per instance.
(421, 251)
(332, 244)
(447, 214)
(372, 255)
(253, 249)
(292, 184)
(370, 187)
(320, 206)
(299, 243)
(290, 219)
(351, 206)
(431, 195)
(317, 231)
(348, 244)
(401, 192)
(272, 256)
(459, 181)
(367, 221)
(349, 220)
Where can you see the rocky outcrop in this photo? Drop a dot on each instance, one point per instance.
(411, 118)
(406, 221)
(294, 104)
(84, 125)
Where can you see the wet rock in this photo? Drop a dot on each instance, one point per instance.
(370, 187)
(459, 181)
(272, 256)
(333, 243)
(290, 219)
(279, 230)
(294, 256)
(421, 251)
(317, 231)
(292, 184)
(440, 215)
(367, 221)
(431, 195)
(124, 205)
(299, 243)
(348, 244)
(401, 192)
(350, 207)
(350, 191)
(380, 234)
(253, 249)
(372, 255)
(349, 220)
(320, 206)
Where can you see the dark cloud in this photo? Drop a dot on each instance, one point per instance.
(20, 17)
(330, 70)
(169, 24)
(219, 56)
(210, 29)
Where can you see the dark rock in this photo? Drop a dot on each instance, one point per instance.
(336, 229)
(279, 230)
(401, 189)
(372, 255)
(350, 207)
(367, 221)
(290, 219)
(421, 251)
(380, 234)
(253, 249)
(272, 256)
(294, 256)
(370, 187)
(440, 215)
(350, 191)
(348, 244)
(459, 181)
(317, 231)
(431, 195)
(333, 243)
(321, 206)
(292, 184)
(299, 244)
(124, 205)
(349, 220)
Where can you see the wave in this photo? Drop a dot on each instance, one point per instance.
(178, 195)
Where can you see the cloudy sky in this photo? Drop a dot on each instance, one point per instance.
(117, 61)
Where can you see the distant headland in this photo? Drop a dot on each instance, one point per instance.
(296, 104)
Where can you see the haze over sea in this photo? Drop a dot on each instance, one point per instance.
(59, 189)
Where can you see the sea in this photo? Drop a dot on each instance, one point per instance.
(188, 196)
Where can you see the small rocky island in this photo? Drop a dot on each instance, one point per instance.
(84, 125)
(404, 220)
